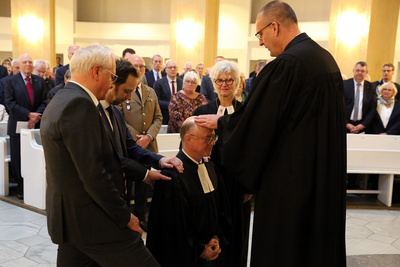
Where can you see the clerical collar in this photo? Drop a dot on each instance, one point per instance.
(221, 110)
(202, 172)
(192, 159)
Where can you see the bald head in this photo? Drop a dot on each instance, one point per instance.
(276, 26)
(25, 64)
(197, 141)
(280, 12)
(138, 62)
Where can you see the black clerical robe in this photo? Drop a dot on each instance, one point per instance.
(287, 144)
(236, 254)
(182, 218)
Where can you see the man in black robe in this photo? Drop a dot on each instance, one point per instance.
(287, 144)
(187, 213)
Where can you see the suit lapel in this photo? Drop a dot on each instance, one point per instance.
(21, 84)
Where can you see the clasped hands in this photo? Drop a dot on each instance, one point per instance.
(211, 250)
(355, 129)
(33, 119)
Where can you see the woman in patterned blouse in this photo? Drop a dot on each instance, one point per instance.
(184, 102)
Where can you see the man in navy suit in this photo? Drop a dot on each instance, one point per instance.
(61, 71)
(166, 87)
(129, 150)
(359, 115)
(156, 73)
(25, 97)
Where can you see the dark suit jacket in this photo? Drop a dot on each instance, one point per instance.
(163, 92)
(3, 71)
(393, 126)
(17, 99)
(369, 101)
(150, 77)
(83, 172)
(60, 74)
(380, 82)
(207, 89)
(131, 152)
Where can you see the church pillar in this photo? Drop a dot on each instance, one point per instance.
(194, 32)
(33, 29)
(363, 30)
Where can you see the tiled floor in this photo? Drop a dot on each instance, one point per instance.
(373, 238)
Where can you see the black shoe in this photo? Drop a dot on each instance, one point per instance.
(20, 196)
(143, 225)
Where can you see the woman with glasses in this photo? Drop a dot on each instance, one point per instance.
(387, 114)
(184, 102)
(225, 77)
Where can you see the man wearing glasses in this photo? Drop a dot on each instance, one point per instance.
(166, 87)
(86, 214)
(294, 158)
(190, 210)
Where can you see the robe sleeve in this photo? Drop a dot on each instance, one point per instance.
(253, 129)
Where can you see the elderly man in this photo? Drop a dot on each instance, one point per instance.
(295, 160)
(15, 66)
(25, 98)
(86, 213)
(125, 85)
(188, 66)
(190, 210)
(207, 87)
(166, 87)
(156, 73)
(61, 71)
(200, 70)
(360, 99)
(387, 76)
(40, 68)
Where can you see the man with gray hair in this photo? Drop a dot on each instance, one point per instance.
(61, 71)
(86, 213)
(156, 73)
(15, 66)
(188, 66)
(40, 69)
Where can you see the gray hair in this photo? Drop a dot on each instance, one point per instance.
(15, 60)
(39, 62)
(86, 58)
(191, 75)
(228, 67)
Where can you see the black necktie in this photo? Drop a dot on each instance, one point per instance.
(115, 133)
(138, 94)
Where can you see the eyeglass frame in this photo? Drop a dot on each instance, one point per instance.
(114, 77)
(259, 35)
(221, 82)
(209, 140)
(190, 82)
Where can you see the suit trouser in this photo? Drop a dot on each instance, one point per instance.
(140, 200)
(15, 153)
(129, 252)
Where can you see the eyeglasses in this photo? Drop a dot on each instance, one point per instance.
(190, 82)
(219, 82)
(114, 77)
(258, 34)
(139, 66)
(209, 140)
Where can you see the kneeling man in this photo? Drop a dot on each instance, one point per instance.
(189, 211)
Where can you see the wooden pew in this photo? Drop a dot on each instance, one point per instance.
(375, 154)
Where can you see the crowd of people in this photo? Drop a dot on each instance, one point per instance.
(273, 135)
